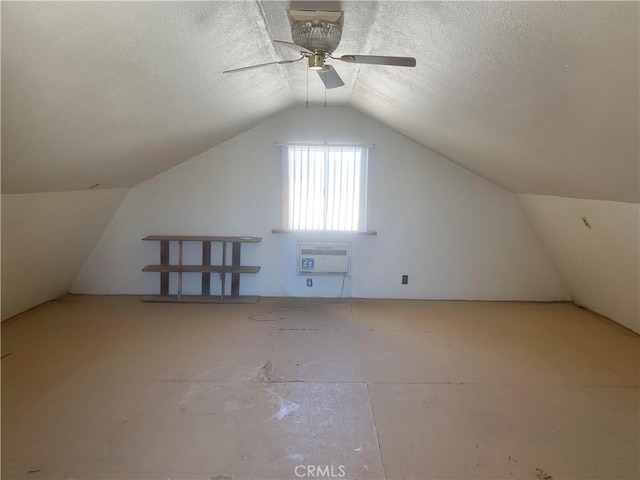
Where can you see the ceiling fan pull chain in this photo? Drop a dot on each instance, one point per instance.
(325, 94)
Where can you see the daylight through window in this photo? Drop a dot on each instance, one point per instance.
(326, 188)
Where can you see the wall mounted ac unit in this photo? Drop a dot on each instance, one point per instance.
(324, 258)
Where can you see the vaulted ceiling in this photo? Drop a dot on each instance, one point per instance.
(538, 97)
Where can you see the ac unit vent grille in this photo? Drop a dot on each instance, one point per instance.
(319, 251)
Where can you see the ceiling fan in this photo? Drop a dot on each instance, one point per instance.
(316, 35)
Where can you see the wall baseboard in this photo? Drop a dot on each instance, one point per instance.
(29, 310)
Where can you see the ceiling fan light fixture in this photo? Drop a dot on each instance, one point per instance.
(316, 35)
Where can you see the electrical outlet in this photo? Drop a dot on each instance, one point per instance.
(309, 282)
(405, 279)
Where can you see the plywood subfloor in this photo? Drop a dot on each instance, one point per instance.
(109, 387)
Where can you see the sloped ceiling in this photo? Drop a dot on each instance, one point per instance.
(538, 97)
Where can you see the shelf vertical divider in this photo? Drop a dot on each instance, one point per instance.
(164, 260)
(235, 261)
(206, 260)
(180, 272)
(223, 276)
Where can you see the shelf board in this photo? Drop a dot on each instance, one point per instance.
(198, 238)
(201, 299)
(201, 268)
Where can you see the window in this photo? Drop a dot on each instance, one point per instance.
(325, 188)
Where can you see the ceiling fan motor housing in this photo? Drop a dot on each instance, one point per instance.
(317, 35)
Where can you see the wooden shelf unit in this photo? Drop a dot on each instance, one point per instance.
(205, 269)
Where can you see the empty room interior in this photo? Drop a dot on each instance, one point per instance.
(354, 240)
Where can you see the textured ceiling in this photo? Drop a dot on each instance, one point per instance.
(116, 92)
(538, 97)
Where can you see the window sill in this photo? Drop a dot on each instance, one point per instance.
(326, 233)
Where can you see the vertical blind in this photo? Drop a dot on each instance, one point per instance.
(326, 187)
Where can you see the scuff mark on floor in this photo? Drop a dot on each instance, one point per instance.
(187, 395)
(263, 373)
(284, 406)
(507, 469)
(542, 475)
(117, 431)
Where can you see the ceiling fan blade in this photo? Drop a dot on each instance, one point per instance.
(294, 46)
(281, 62)
(330, 78)
(380, 60)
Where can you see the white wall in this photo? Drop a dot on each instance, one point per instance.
(456, 235)
(601, 265)
(46, 237)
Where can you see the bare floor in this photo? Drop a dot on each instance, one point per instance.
(109, 387)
